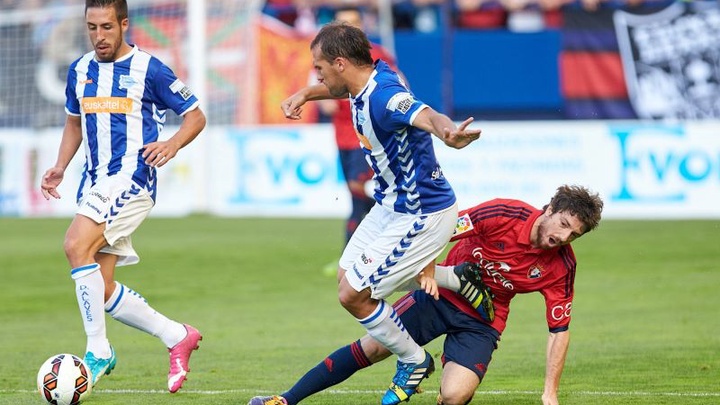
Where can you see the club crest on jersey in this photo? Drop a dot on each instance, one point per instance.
(464, 224)
(126, 81)
(534, 272)
(401, 102)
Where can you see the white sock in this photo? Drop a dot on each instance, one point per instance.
(89, 291)
(446, 278)
(384, 325)
(130, 308)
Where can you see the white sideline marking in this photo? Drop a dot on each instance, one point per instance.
(352, 392)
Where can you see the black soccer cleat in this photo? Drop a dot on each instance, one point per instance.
(475, 290)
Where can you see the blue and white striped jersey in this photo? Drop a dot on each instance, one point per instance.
(122, 105)
(408, 177)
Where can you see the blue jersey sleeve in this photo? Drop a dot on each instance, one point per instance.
(394, 107)
(72, 104)
(171, 92)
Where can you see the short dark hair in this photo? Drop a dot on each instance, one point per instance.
(342, 9)
(120, 6)
(580, 202)
(342, 40)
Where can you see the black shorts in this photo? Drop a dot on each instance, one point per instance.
(468, 342)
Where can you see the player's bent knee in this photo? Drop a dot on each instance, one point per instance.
(352, 302)
(349, 298)
(442, 401)
(80, 250)
(76, 249)
(455, 397)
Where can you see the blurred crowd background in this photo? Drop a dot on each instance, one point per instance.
(620, 95)
(430, 15)
(493, 59)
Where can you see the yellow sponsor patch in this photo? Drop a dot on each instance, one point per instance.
(364, 140)
(116, 105)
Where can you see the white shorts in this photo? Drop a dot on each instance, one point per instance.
(122, 205)
(388, 249)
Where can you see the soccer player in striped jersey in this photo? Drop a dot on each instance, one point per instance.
(520, 249)
(117, 97)
(416, 209)
(356, 171)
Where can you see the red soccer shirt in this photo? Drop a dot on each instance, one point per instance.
(496, 234)
(342, 119)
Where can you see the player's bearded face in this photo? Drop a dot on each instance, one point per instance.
(106, 32)
(328, 75)
(557, 229)
(337, 90)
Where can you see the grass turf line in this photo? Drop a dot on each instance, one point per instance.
(644, 328)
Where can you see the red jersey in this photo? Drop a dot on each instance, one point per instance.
(345, 135)
(496, 234)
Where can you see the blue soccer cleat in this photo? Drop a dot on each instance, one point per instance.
(474, 289)
(407, 379)
(100, 367)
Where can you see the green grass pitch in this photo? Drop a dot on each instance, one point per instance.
(645, 330)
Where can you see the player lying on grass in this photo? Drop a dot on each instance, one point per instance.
(520, 249)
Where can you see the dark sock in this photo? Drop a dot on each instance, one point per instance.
(336, 368)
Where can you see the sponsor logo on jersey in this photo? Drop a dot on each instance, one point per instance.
(87, 81)
(364, 141)
(494, 269)
(464, 224)
(560, 312)
(179, 87)
(401, 102)
(534, 272)
(127, 81)
(96, 105)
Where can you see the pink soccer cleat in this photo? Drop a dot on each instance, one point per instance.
(180, 358)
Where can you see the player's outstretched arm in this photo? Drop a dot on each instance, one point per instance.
(160, 152)
(444, 128)
(292, 106)
(71, 140)
(557, 347)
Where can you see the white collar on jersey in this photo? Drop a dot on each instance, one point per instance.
(124, 57)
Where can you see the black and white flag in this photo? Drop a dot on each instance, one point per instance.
(672, 60)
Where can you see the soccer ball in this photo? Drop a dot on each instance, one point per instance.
(64, 379)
